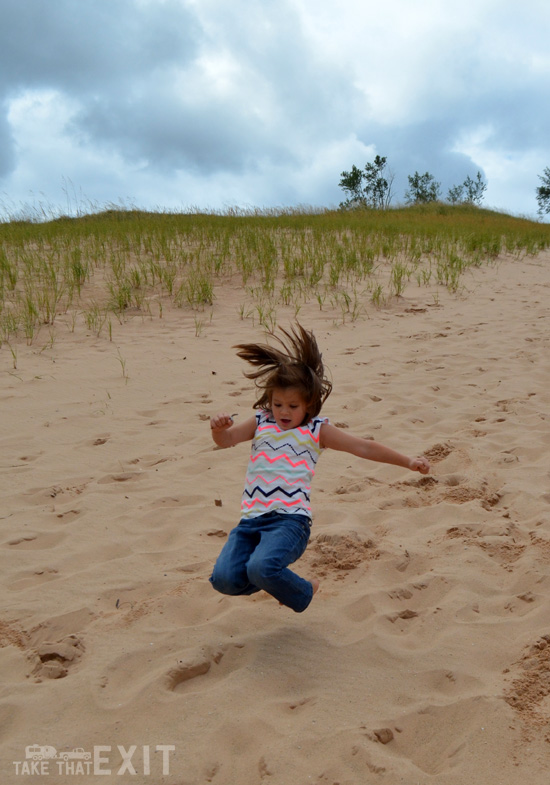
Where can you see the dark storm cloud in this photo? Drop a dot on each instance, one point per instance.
(7, 147)
(79, 46)
(278, 100)
(86, 50)
(134, 68)
(161, 130)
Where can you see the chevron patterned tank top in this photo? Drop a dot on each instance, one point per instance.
(281, 467)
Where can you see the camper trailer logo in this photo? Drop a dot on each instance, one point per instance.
(44, 760)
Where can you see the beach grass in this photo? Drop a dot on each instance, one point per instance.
(107, 265)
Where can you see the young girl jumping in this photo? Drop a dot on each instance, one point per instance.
(287, 438)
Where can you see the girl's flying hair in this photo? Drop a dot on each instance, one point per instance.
(299, 365)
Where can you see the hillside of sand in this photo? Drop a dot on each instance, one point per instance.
(424, 657)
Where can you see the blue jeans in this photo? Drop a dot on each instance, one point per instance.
(257, 554)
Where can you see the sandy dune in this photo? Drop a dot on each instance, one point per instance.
(424, 656)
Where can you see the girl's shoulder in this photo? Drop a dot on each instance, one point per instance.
(320, 419)
(263, 416)
(315, 424)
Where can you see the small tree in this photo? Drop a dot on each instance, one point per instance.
(475, 189)
(423, 188)
(351, 184)
(470, 192)
(456, 194)
(370, 187)
(543, 192)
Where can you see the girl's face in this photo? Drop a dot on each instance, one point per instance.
(288, 407)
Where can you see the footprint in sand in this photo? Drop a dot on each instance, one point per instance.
(30, 458)
(55, 659)
(459, 491)
(34, 578)
(357, 487)
(440, 751)
(68, 516)
(190, 670)
(503, 546)
(73, 488)
(542, 544)
(56, 644)
(213, 664)
(301, 704)
(402, 604)
(152, 460)
(166, 502)
(36, 541)
(405, 615)
(12, 636)
(438, 452)
(122, 477)
(102, 438)
(400, 594)
(497, 610)
(528, 692)
(453, 488)
(340, 553)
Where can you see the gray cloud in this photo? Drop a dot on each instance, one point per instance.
(132, 69)
(86, 50)
(83, 47)
(159, 131)
(281, 100)
(7, 147)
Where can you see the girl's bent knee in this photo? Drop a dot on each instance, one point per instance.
(261, 573)
(225, 586)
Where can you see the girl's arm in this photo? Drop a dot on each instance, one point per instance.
(226, 434)
(336, 439)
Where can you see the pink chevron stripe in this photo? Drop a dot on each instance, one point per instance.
(304, 431)
(307, 432)
(270, 482)
(254, 458)
(254, 502)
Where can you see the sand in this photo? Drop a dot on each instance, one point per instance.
(423, 658)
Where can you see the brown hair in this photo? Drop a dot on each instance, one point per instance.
(299, 365)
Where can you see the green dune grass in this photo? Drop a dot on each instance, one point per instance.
(100, 267)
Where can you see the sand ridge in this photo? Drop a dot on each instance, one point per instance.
(423, 657)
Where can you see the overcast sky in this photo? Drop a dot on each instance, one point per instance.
(219, 103)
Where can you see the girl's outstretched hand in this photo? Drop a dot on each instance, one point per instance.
(221, 422)
(420, 465)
